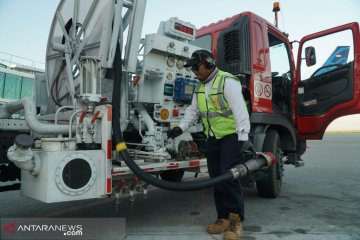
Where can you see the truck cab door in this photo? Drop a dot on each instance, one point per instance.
(328, 79)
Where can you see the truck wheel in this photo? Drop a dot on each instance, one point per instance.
(172, 175)
(270, 187)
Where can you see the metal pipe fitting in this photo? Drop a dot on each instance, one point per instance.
(31, 117)
(22, 155)
(10, 108)
(262, 160)
(37, 126)
(146, 118)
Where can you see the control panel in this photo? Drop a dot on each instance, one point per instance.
(177, 97)
(164, 81)
(184, 89)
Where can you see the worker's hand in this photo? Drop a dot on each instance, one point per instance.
(174, 132)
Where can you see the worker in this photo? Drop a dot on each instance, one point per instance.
(219, 101)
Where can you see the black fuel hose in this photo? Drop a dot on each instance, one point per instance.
(239, 171)
(174, 186)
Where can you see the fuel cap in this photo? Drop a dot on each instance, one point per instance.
(24, 141)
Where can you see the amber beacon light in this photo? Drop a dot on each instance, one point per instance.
(276, 9)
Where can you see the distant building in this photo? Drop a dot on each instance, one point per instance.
(15, 85)
(17, 77)
(17, 81)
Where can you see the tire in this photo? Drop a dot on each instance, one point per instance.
(172, 175)
(270, 187)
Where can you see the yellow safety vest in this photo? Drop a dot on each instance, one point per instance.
(216, 114)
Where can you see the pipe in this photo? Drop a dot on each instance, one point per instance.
(10, 108)
(234, 173)
(71, 120)
(140, 126)
(149, 123)
(136, 123)
(23, 158)
(37, 126)
(59, 110)
(30, 117)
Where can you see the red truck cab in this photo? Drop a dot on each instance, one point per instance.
(287, 103)
(262, 57)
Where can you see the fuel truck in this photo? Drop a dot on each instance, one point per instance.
(97, 125)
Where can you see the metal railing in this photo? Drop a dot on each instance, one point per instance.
(17, 62)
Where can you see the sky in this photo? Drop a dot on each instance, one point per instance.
(25, 24)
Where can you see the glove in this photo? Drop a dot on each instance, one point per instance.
(174, 132)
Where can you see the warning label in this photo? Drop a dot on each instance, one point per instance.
(267, 91)
(259, 89)
(262, 89)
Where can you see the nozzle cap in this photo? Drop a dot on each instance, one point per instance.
(24, 141)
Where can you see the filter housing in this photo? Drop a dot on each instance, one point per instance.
(67, 176)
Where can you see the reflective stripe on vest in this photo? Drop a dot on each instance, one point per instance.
(216, 114)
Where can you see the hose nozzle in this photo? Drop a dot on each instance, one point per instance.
(261, 160)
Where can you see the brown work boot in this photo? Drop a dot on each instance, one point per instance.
(220, 226)
(235, 228)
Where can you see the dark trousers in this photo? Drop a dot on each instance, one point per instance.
(222, 155)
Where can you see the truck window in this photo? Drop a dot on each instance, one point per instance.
(203, 42)
(281, 74)
(279, 59)
(332, 51)
(327, 74)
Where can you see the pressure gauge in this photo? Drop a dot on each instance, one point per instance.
(169, 76)
(170, 61)
(180, 64)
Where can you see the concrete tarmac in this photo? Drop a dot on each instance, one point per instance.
(318, 201)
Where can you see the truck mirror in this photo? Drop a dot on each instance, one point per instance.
(310, 56)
